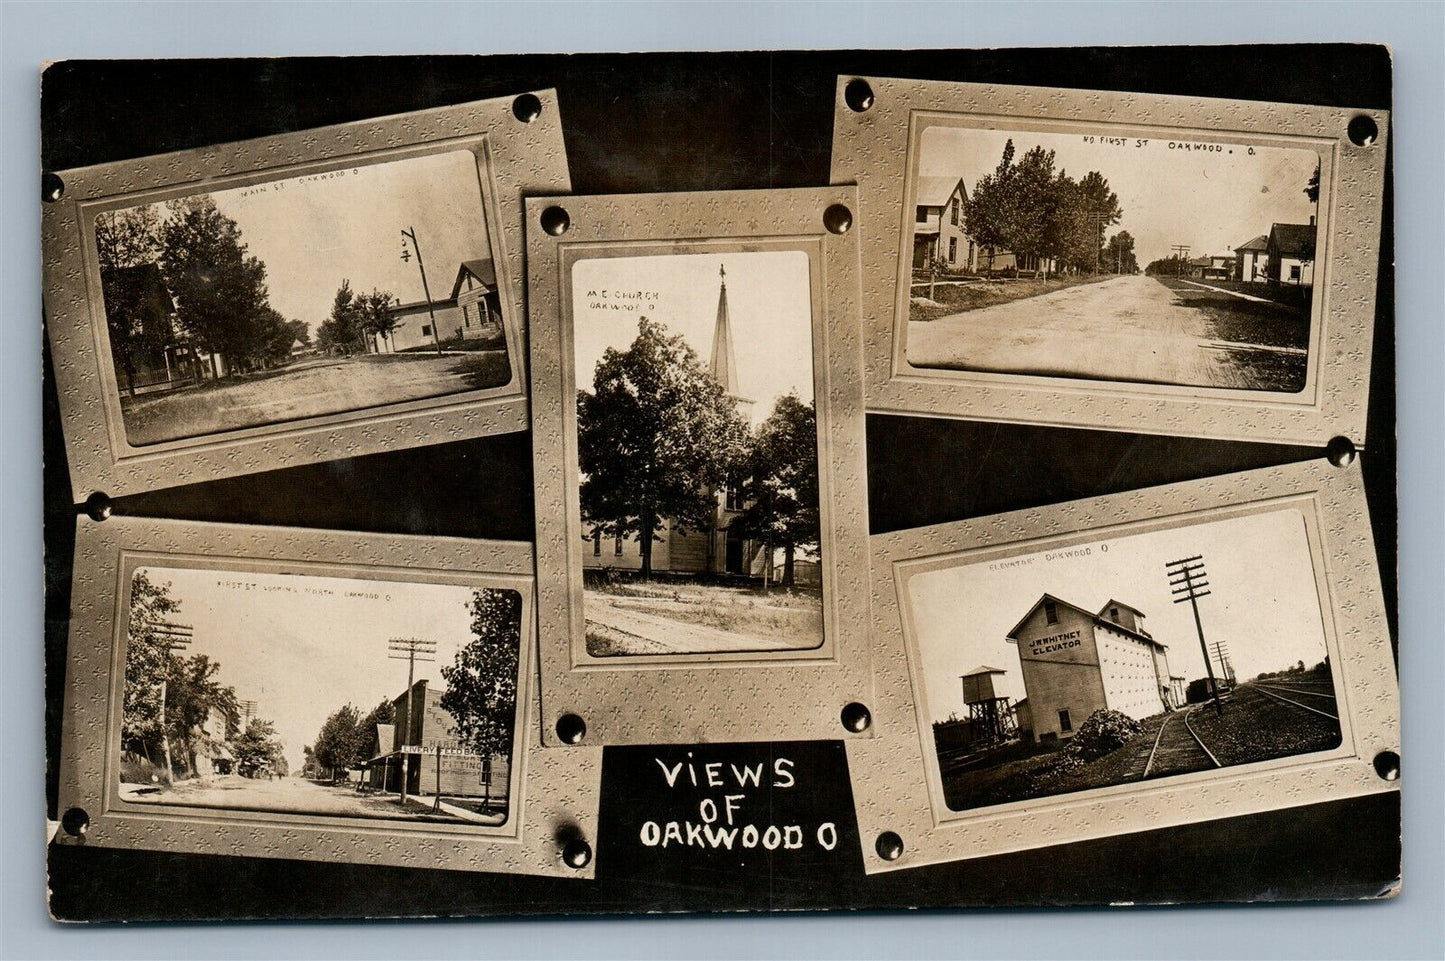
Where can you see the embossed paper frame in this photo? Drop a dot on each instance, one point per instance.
(896, 785)
(553, 797)
(876, 148)
(515, 156)
(696, 698)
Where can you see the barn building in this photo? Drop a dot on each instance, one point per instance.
(720, 549)
(425, 732)
(1076, 662)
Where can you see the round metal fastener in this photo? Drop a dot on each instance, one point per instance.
(858, 95)
(1387, 765)
(838, 218)
(527, 107)
(1362, 130)
(98, 506)
(571, 729)
(1340, 451)
(75, 822)
(52, 188)
(889, 846)
(856, 717)
(577, 853)
(555, 220)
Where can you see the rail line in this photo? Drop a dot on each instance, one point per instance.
(1267, 692)
(1159, 739)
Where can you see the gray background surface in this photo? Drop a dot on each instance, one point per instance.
(1409, 926)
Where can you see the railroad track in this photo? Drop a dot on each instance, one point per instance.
(1278, 693)
(1177, 748)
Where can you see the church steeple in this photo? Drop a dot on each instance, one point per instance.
(724, 359)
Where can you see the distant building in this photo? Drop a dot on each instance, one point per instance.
(424, 730)
(1291, 252)
(473, 311)
(1250, 260)
(1212, 267)
(1076, 662)
(212, 747)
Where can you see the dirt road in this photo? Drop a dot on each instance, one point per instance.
(292, 795)
(620, 620)
(1125, 329)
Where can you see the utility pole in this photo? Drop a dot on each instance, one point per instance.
(1181, 254)
(411, 650)
(171, 637)
(1189, 583)
(410, 232)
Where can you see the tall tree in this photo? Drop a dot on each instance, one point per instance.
(1312, 189)
(219, 289)
(781, 489)
(1119, 254)
(137, 307)
(481, 693)
(192, 692)
(339, 745)
(340, 332)
(257, 746)
(657, 437)
(147, 662)
(374, 313)
(1092, 207)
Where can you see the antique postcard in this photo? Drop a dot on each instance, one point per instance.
(1121, 261)
(697, 416)
(1202, 650)
(325, 294)
(315, 695)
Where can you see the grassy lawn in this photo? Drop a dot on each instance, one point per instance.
(308, 389)
(955, 298)
(1282, 322)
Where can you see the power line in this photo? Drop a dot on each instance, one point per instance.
(411, 650)
(1189, 582)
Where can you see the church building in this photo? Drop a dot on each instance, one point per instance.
(720, 549)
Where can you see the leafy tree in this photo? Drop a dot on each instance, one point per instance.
(192, 691)
(300, 332)
(781, 489)
(374, 313)
(1172, 266)
(257, 746)
(219, 290)
(1086, 210)
(147, 661)
(481, 693)
(656, 438)
(1312, 189)
(1119, 254)
(137, 316)
(383, 713)
(339, 744)
(341, 331)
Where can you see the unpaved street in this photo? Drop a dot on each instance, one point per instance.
(1130, 328)
(292, 795)
(621, 619)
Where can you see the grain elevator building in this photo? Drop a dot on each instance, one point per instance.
(1076, 662)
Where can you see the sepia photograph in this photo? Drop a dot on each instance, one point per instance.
(316, 695)
(1125, 660)
(1164, 260)
(697, 440)
(293, 298)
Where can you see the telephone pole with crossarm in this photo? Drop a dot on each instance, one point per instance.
(1189, 583)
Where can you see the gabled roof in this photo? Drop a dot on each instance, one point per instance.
(484, 271)
(1254, 243)
(935, 191)
(1114, 602)
(1096, 618)
(419, 307)
(985, 669)
(1199, 262)
(1293, 240)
